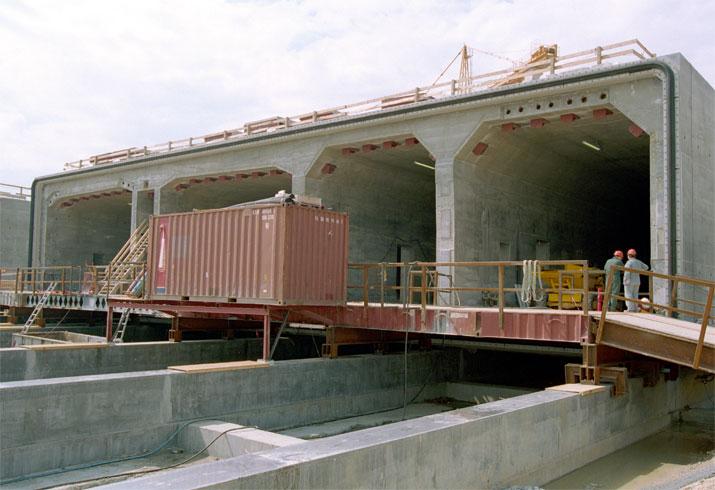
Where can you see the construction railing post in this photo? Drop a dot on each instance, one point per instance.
(674, 297)
(423, 294)
(108, 333)
(383, 277)
(560, 286)
(585, 300)
(108, 278)
(703, 328)
(501, 296)
(650, 289)
(266, 336)
(365, 285)
(606, 305)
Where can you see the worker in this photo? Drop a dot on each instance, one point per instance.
(632, 280)
(616, 260)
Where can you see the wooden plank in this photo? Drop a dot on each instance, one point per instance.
(67, 346)
(218, 366)
(668, 326)
(580, 389)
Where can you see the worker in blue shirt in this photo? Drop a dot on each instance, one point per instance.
(632, 280)
(616, 260)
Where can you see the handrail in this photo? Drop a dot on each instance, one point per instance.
(430, 291)
(70, 279)
(704, 316)
(15, 191)
(550, 66)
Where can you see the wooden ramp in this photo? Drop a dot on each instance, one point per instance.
(661, 337)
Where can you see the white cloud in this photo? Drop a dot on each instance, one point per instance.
(81, 77)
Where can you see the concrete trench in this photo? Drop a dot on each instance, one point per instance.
(311, 423)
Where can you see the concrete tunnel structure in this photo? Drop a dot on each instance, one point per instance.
(572, 166)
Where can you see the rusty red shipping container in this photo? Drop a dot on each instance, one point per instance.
(286, 254)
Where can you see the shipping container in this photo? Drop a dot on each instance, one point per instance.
(268, 252)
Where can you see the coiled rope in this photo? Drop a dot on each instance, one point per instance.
(532, 274)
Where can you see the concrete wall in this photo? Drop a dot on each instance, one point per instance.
(18, 363)
(14, 232)
(55, 423)
(695, 180)
(524, 441)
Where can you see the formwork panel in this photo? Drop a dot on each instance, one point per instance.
(263, 254)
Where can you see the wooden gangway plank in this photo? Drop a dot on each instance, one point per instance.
(666, 338)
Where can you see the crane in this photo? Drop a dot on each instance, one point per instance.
(466, 53)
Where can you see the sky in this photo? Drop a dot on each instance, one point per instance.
(83, 77)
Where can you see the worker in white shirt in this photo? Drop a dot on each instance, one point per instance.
(632, 280)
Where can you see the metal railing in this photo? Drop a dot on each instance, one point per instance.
(631, 49)
(700, 311)
(15, 192)
(423, 284)
(73, 279)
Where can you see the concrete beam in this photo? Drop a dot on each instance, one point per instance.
(528, 440)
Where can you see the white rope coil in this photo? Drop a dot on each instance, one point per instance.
(532, 275)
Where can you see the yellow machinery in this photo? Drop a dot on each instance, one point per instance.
(569, 278)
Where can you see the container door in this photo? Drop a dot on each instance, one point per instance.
(267, 240)
(162, 243)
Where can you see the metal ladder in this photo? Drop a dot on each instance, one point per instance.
(38, 307)
(121, 326)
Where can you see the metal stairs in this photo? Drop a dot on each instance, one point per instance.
(38, 307)
(126, 270)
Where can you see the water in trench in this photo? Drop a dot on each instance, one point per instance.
(679, 456)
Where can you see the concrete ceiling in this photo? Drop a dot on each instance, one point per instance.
(209, 195)
(554, 155)
(401, 157)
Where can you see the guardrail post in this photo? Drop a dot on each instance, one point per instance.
(560, 279)
(365, 285)
(674, 297)
(606, 306)
(585, 300)
(703, 328)
(650, 291)
(423, 294)
(501, 296)
(383, 278)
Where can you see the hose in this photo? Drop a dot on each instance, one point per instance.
(531, 270)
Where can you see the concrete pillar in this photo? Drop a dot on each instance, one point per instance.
(305, 185)
(142, 207)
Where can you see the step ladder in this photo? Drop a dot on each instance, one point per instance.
(121, 326)
(38, 307)
(123, 265)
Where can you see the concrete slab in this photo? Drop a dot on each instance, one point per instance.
(225, 440)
